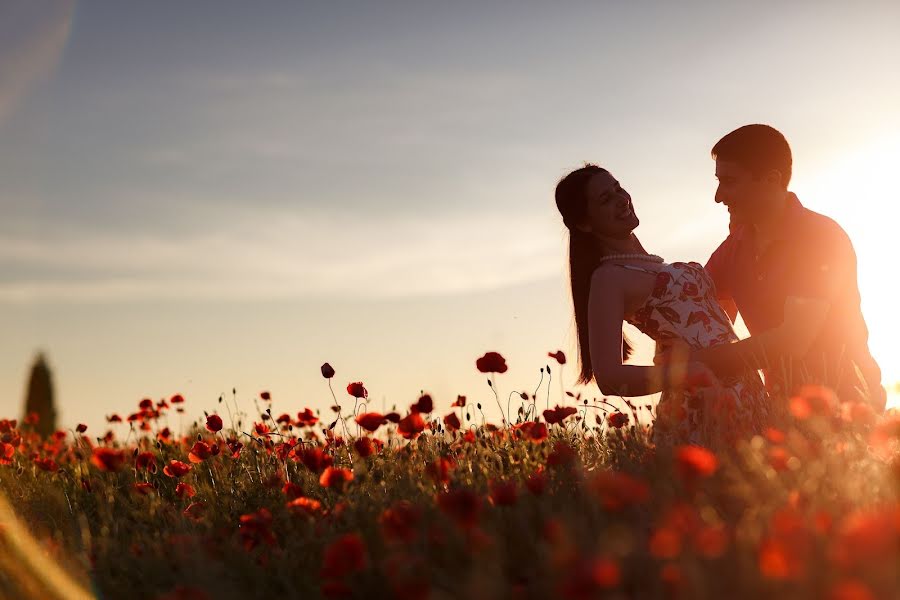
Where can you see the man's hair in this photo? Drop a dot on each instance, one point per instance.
(756, 148)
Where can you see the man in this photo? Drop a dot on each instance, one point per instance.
(783, 262)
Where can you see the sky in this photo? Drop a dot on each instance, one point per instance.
(210, 196)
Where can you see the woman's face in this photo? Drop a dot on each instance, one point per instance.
(609, 212)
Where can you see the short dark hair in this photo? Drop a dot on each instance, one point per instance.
(757, 148)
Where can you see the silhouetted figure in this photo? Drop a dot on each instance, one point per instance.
(777, 251)
(39, 400)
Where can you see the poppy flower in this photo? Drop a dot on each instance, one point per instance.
(145, 404)
(533, 431)
(618, 490)
(537, 482)
(693, 462)
(46, 464)
(327, 371)
(813, 401)
(214, 423)
(460, 401)
(451, 421)
(370, 421)
(283, 419)
(176, 469)
(617, 419)
(304, 505)
(335, 477)
(851, 589)
(344, 556)
(177, 399)
(256, 529)
(113, 418)
(411, 426)
(491, 362)
(558, 414)
(315, 459)
(711, 541)
(108, 459)
(461, 505)
(81, 428)
(400, 522)
(357, 390)
(424, 405)
(439, 470)
(665, 543)
(562, 455)
(265, 396)
(364, 446)
(392, 417)
(200, 451)
(185, 490)
(261, 429)
(306, 418)
(559, 356)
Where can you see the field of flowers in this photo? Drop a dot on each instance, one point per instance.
(572, 501)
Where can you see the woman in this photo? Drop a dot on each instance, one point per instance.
(614, 279)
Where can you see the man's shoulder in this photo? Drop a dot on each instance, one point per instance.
(821, 227)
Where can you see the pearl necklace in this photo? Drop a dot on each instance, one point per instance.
(634, 256)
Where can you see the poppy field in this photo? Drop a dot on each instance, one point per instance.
(565, 497)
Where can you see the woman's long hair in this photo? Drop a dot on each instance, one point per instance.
(584, 258)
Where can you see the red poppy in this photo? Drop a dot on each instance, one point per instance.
(537, 482)
(559, 356)
(370, 421)
(256, 529)
(46, 464)
(618, 490)
(533, 431)
(364, 446)
(185, 490)
(665, 543)
(146, 461)
(344, 556)
(562, 455)
(306, 418)
(315, 459)
(335, 477)
(327, 371)
(423, 405)
(357, 390)
(108, 459)
(851, 589)
(503, 493)
(145, 404)
(711, 541)
(400, 522)
(439, 470)
(461, 505)
(305, 505)
(558, 414)
(693, 462)
(460, 401)
(392, 417)
(411, 426)
(261, 429)
(200, 451)
(114, 418)
(617, 419)
(813, 401)
(214, 423)
(81, 428)
(265, 396)
(491, 362)
(176, 399)
(451, 421)
(7, 451)
(176, 468)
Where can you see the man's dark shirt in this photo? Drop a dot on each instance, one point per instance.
(811, 257)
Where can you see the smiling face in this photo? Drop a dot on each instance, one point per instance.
(750, 198)
(609, 212)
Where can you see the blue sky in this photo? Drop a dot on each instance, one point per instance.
(206, 196)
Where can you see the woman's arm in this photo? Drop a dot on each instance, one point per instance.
(606, 309)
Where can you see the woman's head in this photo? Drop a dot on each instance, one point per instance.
(592, 202)
(596, 211)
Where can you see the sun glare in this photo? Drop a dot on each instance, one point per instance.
(857, 189)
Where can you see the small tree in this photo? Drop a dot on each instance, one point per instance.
(39, 400)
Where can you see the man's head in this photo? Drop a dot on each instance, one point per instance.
(753, 166)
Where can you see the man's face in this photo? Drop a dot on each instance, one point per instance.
(747, 197)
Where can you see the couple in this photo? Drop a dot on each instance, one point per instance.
(790, 272)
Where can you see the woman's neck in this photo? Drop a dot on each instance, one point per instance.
(630, 245)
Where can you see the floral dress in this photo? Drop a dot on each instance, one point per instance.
(683, 307)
